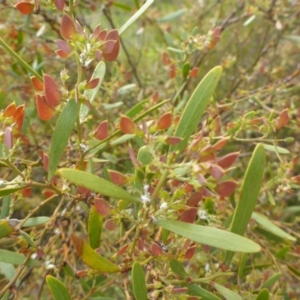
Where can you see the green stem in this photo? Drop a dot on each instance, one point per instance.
(19, 59)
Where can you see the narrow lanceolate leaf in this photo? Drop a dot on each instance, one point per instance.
(92, 258)
(11, 188)
(90, 94)
(57, 288)
(5, 228)
(61, 134)
(36, 221)
(227, 293)
(178, 268)
(249, 194)
(269, 226)
(263, 295)
(96, 184)
(138, 282)
(16, 259)
(196, 290)
(95, 223)
(210, 236)
(196, 106)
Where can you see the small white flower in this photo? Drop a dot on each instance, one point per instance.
(145, 198)
(1, 182)
(207, 268)
(164, 205)
(202, 214)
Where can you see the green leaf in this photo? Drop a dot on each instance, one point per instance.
(11, 188)
(196, 106)
(57, 288)
(5, 207)
(96, 184)
(210, 236)
(249, 194)
(172, 16)
(138, 282)
(36, 221)
(133, 111)
(8, 270)
(242, 264)
(196, 290)
(136, 16)
(15, 258)
(276, 149)
(263, 295)
(95, 223)
(91, 94)
(293, 38)
(271, 281)
(269, 226)
(92, 258)
(144, 156)
(226, 293)
(61, 134)
(5, 228)
(178, 268)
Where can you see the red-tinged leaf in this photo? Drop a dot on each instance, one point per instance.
(155, 97)
(51, 90)
(48, 193)
(117, 177)
(226, 188)
(19, 116)
(78, 244)
(37, 84)
(220, 144)
(228, 160)
(194, 72)
(8, 138)
(27, 192)
(46, 161)
(207, 157)
(92, 84)
(283, 119)
(97, 30)
(98, 54)
(67, 27)
(110, 225)
(172, 71)
(127, 126)
(215, 38)
(141, 245)
(190, 252)
(36, 4)
(82, 273)
(112, 35)
(19, 112)
(108, 47)
(59, 4)
(189, 216)
(216, 172)
(173, 140)
(296, 179)
(165, 121)
(61, 53)
(166, 59)
(195, 199)
(122, 250)
(45, 112)
(64, 46)
(83, 190)
(102, 35)
(10, 110)
(102, 206)
(24, 7)
(156, 249)
(101, 132)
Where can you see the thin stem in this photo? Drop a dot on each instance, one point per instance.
(16, 276)
(18, 58)
(33, 211)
